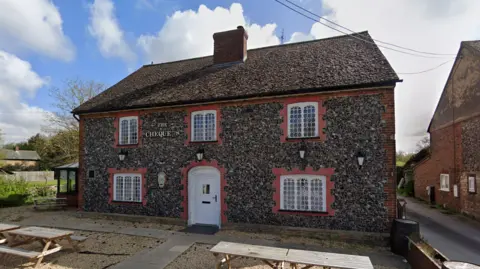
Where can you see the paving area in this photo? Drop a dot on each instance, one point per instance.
(455, 236)
(163, 246)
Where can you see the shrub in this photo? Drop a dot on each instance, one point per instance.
(407, 189)
(13, 186)
(13, 200)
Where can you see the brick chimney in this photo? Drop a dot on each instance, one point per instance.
(230, 46)
(17, 148)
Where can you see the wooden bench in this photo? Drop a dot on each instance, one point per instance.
(49, 203)
(277, 257)
(4, 228)
(19, 252)
(78, 238)
(328, 260)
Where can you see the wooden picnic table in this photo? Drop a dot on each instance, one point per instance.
(4, 228)
(48, 237)
(326, 260)
(276, 257)
(271, 256)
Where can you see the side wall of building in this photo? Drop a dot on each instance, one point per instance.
(441, 161)
(251, 149)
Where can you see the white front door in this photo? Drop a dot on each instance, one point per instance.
(204, 196)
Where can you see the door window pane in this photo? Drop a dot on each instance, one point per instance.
(206, 189)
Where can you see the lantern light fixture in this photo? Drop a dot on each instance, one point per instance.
(122, 154)
(360, 158)
(199, 154)
(302, 150)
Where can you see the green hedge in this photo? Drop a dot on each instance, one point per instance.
(16, 192)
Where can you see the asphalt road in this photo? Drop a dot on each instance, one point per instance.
(455, 236)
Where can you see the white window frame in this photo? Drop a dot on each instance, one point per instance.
(129, 137)
(115, 176)
(302, 105)
(472, 184)
(192, 123)
(309, 178)
(445, 186)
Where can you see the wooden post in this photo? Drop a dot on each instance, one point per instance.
(45, 249)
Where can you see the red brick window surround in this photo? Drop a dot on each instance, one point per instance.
(303, 192)
(128, 130)
(127, 186)
(203, 125)
(303, 119)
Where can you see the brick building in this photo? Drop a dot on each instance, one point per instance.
(453, 165)
(265, 136)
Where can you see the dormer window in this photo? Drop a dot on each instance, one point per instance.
(204, 126)
(128, 130)
(303, 120)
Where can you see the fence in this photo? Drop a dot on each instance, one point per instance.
(33, 175)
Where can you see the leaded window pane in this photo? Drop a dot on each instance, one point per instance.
(119, 188)
(137, 189)
(198, 126)
(209, 127)
(289, 194)
(302, 194)
(133, 131)
(124, 132)
(309, 121)
(127, 195)
(295, 122)
(316, 195)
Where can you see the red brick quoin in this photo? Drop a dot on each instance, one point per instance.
(113, 171)
(223, 184)
(321, 122)
(116, 124)
(188, 122)
(327, 172)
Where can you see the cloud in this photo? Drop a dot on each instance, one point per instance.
(430, 25)
(188, 34)
(35, 26)
(18, 120)
(105, 29)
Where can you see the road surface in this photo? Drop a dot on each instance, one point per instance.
(455, 236)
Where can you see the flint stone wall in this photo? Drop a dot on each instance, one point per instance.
(250, 148)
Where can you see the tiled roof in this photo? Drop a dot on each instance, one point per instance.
(27, 155)
(474, 44)
(325, 64)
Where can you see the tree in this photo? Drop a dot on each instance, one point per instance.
(423, 143)
(73, 93)
(2, 155)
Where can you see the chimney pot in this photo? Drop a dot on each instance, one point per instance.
(230, 46)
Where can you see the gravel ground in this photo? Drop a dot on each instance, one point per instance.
(199, 256)
(17, 214)
(100, 250)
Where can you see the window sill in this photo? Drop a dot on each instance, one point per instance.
(128, 145)
(300, 139)
(305, 213)
(472, 192)
(204, 142)
(445, 190)
(126, 202)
